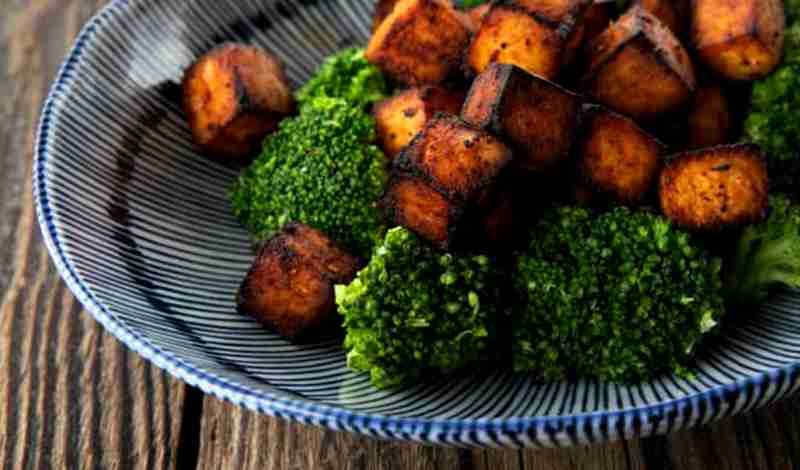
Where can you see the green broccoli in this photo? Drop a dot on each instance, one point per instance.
(619, 297)
(321, 169)
(346, 75)
(472, 3)
(413, 310)
(767, 255)
(773, 121)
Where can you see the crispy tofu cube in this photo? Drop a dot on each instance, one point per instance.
(234, 96)
(420, 43)
(382, 10)
(537, 116)
(539, 36)
(638, 67)
(672, 13)
(290, 286)
(715, 188)
(618, 159)
(400, 118)
(740, 40)
(709, 120)
(456, 159)
(410, 202)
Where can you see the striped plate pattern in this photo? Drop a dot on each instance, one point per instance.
(139, 226)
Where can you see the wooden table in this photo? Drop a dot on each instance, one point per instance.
(71, 396)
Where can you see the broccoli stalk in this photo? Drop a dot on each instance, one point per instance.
(767, 255)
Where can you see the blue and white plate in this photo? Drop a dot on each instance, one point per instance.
(139, 226)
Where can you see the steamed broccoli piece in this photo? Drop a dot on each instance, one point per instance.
(767, 255)
(472, 3)
(321, 169)
(415, 310)
(773, 121)
(346, 75)
(620, 297)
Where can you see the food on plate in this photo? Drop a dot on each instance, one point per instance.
(522, 222)
(290, 287)
(457, 164)
(233, 97)
(767, 255)
(741, 40)
(539, 36)
(621, 297)
(414, 310)
(715, 188)
(773, 121)
(320, 169)
(709, 119)
(617, 158)
(346, 75)
(538, 117)
(400, 118)
(420, 43)
(638, 67)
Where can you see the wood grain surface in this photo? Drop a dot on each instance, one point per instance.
(71, 396)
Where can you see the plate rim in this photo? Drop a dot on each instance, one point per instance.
(534, 431)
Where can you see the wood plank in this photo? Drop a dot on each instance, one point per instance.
(232, 437)
(71, 396)
(605, 456)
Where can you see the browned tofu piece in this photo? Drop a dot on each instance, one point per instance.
(420, 43)
(617, 158)
(597, 18)
(400, 118)
(740, 40)
(638, 67)
(496, 224)
(290, 287)
(382, 10)
(537, 116)
(539, 36)
(715, 188)
(709, 120)
(410, 202)
(671, 13)
(477, 14)
(454, 158)
(234, 96)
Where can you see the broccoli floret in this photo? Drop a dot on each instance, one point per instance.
(773, 121)
(320, 169)
(767, 255)
(346, 75)
(413, 310)
(619, 297)
(472, 3)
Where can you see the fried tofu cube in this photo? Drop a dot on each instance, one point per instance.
(400, 118)
(234, 96)
(456, 159)
(638, 67)
(741, 40)
(290, 287)
(410, 202)
(617, 158)
(672, 13)
(382, 10)
(421, 42)
(537, 116)
(709, 120)
(539, 36)
(715, 188)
